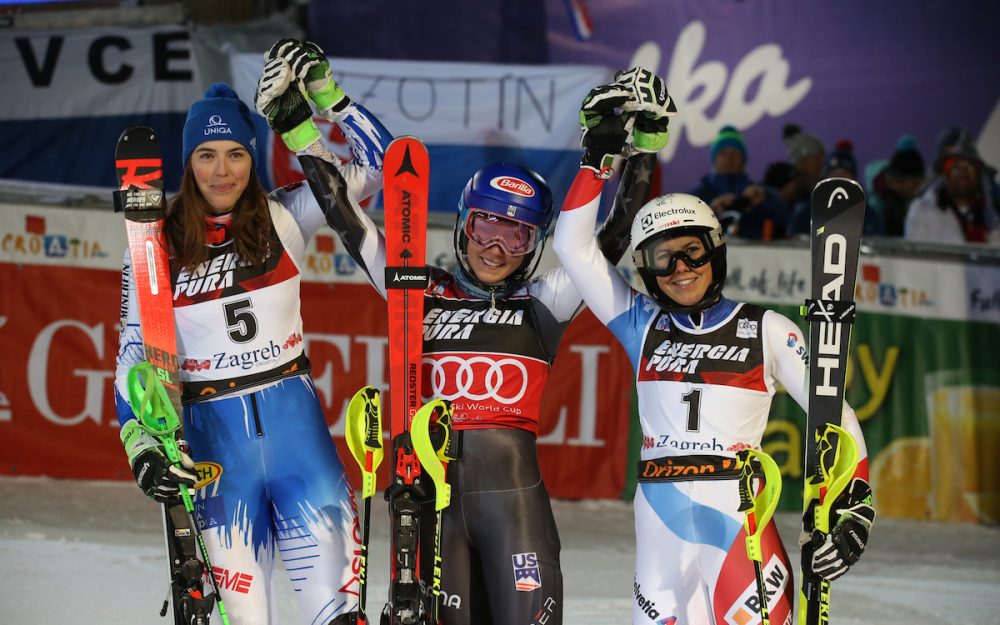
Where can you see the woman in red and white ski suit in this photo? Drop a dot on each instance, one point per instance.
(706, 371)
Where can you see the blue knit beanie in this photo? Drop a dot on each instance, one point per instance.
(728, 137)
(220, 116)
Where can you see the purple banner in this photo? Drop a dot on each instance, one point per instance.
(858, 70)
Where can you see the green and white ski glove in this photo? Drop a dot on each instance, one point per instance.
(837, 551)
(651, 107)
(155, 474)
(604, 131)
(309, 65)
(287, 111)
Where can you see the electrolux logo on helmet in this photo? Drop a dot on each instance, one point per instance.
(677, 211)
(217, 127)
(513, 185)
(666, 218)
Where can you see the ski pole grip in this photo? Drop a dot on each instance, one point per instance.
(427, 454)
(149, 401)
(364, 435)
(761, 506)
(836, 473)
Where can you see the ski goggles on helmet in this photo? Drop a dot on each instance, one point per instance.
(514, 237)
(658, 260)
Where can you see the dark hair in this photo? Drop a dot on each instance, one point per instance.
(185, 225)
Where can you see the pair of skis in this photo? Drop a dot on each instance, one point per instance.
(154, 385)
(838, 211)
(422, 443)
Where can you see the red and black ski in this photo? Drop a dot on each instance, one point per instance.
(139, 167)
(406, 170)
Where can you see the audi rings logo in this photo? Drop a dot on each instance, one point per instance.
(477, 378)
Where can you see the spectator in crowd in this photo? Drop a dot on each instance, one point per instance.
(961, 206)
(896, 184)
(757, 211)
(807, 154)
(840, 164)
(953, 139)
(782, 178)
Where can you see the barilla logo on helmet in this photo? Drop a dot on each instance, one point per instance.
(513, 185)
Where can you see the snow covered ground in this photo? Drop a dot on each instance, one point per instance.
(91, 553)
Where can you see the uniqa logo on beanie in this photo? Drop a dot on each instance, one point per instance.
(216, 126)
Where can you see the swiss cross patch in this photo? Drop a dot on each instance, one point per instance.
(527, 577)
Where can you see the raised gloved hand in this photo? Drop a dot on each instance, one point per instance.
(837, 551)
(287, 111)
(156, 475)
(650, 105)
(274, 81)
(604, 132)
(309, 64)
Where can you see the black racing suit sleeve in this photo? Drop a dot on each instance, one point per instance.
(359, 235)
(633, 193)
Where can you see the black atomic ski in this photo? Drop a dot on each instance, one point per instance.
(838, 215)
(139, 167)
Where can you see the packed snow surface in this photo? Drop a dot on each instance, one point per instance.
(91, 553)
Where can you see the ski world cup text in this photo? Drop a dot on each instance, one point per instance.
(834, 258)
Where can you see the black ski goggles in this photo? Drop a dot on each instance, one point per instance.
(659, 263)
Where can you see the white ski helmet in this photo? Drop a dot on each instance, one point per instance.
(674, 215)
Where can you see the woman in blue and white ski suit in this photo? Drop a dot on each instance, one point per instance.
(271, 482)
(706, 371)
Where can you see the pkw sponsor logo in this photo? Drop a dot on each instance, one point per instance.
(513, 185)
(746, 609)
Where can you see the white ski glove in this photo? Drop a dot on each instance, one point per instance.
(276, 78)
(837, 551)
(154, 473)
(651, 106)
(309, 65)
(284, 106)
(604, 132)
